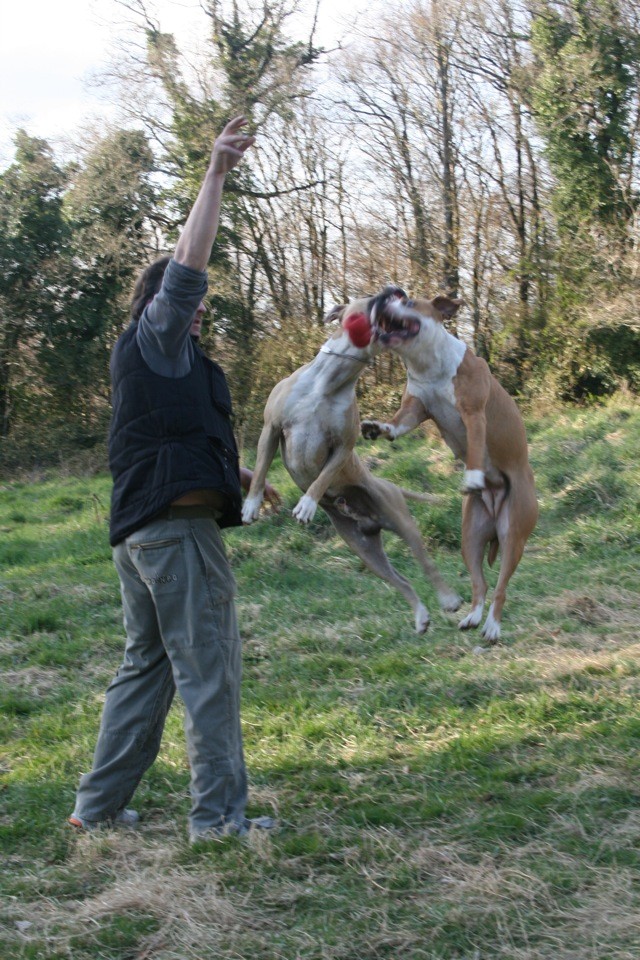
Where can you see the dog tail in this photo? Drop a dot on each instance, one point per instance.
(423, 497)
(493, 551)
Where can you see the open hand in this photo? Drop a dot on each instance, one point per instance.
(272, 497)
(252, 505)
(229, 148)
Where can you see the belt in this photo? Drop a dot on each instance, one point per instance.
(193, 512)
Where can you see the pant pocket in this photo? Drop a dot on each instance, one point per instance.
(160, 563)
(213, 561)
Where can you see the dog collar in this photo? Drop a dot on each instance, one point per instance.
(346, 356)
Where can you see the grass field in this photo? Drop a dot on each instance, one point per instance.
(437, 799)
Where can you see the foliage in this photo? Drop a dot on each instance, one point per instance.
(70, 242)
(256, 71)
(32, 235)
(586, 100)
(587, 80)
(436, 799)
(108, 208)
(490, 147)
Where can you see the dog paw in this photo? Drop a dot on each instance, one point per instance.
(474, 481)
(449, 602)
(251, 509)
(472, 620)
(305, 509)
(370, 429)
(422, 619)
(491, 628)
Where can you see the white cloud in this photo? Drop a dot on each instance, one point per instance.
(50, 50)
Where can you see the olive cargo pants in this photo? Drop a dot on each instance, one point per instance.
(179, 616)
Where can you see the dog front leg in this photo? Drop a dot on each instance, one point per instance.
(476, 426)
(267, 446)
(472, 386)
(305, 509)
(411, 413)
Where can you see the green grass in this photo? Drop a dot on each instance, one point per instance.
(437, 798)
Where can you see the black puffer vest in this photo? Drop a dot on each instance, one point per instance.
(168, 436)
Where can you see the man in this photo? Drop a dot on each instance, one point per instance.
(176, 477)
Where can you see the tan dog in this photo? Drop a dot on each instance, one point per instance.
(481, 424)
(313, 415)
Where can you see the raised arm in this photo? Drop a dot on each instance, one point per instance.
(168, 318)
(196, 240)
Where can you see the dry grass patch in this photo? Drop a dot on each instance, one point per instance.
(38, 681)
(597, 780)
(556, 663)
(11, 646)
(611, 605)
(485, 883)
(602, 924)
(506, 893)
(193, 914)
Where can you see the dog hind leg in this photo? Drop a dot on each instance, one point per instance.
(395, 516)
(515, 522)
(368, 546)
(478, 529)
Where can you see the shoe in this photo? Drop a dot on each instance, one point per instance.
(126, 818)
(256, 823)
(243, 829)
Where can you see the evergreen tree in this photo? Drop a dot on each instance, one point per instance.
(33, 232)
(588, 74)
(588, 60)
(71, 241)
(255, 70)
(109, 209)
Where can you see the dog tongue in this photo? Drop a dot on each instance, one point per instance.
(359, 329)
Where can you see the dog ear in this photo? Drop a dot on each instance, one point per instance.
(391, 290)
(335, 313)
(446, 306)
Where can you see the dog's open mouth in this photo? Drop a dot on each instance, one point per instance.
(390, 329)
(391, 323)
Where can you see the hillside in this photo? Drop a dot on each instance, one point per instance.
(438, 798)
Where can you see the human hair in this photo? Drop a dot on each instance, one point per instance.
(147, 285)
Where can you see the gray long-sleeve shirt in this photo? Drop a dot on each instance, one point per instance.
(163, 329)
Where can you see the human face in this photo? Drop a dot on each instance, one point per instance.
(196, 324)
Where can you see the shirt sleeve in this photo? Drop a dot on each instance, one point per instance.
(163, 328)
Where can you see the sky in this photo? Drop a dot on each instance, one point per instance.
(50, 51)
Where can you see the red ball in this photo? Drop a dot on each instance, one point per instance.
(359, 329)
